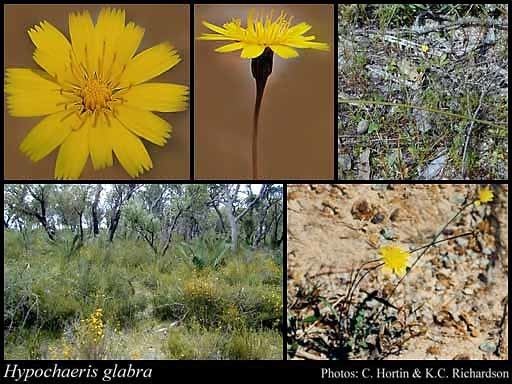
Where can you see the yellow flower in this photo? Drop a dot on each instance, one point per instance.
(262, 32)
(92, 96)
(395, 259)
(485, 195)
(425, 48)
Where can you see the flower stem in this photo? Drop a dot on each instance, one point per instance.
(442, 241)
(261, 68)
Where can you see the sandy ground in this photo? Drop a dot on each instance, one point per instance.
(455, 295)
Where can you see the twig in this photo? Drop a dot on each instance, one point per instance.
(433, 110)
(308, 356)
(468, 134)
(503, 324)
(462, 23)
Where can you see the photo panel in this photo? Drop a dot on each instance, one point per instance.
(143, 272)
(422, 91)
(397, 272)
(264, 91)
(97, 92)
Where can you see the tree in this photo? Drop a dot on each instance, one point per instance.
(232, 197)
(119, 196)
(95, 214)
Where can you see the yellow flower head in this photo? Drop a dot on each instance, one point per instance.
(262, 32)
(485, 195)
(92, 95)
(395, 259)
(425, 48)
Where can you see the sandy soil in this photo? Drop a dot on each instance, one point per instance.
(457, 293)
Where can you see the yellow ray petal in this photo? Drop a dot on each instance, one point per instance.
(32, 93)
(126, 46)
(52, 50)
(299, 29)
(250, 51)
(108, 28)
(284, 51)
(162, 97)
(144, 124)
(149, 64)
(214, 28)
(73, 153)
(83, 40)
(307, 44)
(214, 36)
(230, 47)
(100, 142)
(129, 150)
(48, 135)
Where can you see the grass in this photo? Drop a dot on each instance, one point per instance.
(212, 309)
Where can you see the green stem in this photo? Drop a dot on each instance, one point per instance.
(428, 109)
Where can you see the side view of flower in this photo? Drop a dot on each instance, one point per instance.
(261, 32)
(259, 40)
(93, 94)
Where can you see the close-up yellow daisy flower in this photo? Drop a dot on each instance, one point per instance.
(92, 93)
(395, 259)
(261, 32)
(485, 195)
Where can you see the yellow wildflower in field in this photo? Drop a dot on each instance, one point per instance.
(485, 195)
(395, 259)
(261, 32)
(92, 95)
(96, 326)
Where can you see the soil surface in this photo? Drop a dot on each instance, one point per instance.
(451, 305)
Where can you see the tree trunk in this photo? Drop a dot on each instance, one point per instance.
(80, 215)
(234, 231)
(94, 211)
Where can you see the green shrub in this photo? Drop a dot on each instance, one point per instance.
(262, 305)
(168, 304)
(179, 345)
(201, 296)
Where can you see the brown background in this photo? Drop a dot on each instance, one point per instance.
(296, 120)
(161, 23)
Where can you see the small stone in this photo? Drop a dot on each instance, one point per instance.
(487, 251)
(371, 339)
(482, 277)
(394, 215)
(475, 332)
(387, 233)
(364, 165)
(379, 187)
(489, 347)
(462, 241)
(468, 291)
(362, 127)
(345, 162)
(378, 218)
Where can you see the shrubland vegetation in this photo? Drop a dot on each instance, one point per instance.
(135, 271)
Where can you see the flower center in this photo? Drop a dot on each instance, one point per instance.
(95, 94)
